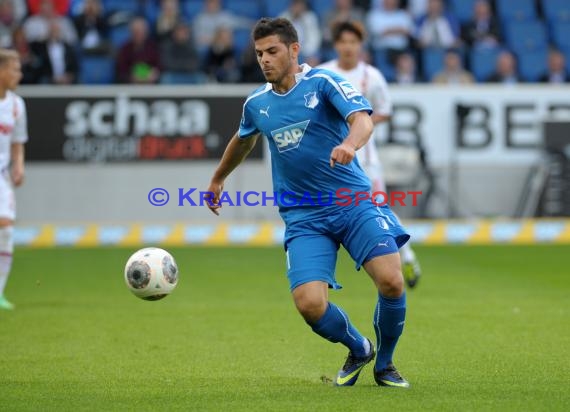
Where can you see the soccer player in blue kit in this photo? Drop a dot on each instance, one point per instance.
(314, 122)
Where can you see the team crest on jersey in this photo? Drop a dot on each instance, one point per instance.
(289, 137)
(311, 100)
(349, 90)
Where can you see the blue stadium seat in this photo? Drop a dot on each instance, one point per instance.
(132, 6)
(556, 10)
(97, 70)
(246, 8)
(151, 11)
(191, 8)
(482, 62)
(382, 63)
(532, 65)
(516, 10)
(526, 36)
(242, 38)
(119, 35)
(566, 53)
(561, 34)
(274, 8)
(321, 7)
(462, 9)
(432, 62)
(75, 7)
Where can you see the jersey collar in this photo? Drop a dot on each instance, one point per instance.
(305, 68)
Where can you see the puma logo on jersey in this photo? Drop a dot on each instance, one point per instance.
(359, 101)
(289, 137)
(311, 100)
(265, 112)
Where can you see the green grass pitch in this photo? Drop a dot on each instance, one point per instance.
(488, 328)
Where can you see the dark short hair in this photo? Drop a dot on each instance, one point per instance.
(348, 26)
(279, 26)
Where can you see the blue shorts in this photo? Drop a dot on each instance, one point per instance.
(365, 231)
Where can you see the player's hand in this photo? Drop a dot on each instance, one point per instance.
(17, 174)
(343, 154)
(215, 188)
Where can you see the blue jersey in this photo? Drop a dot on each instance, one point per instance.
(302, 127)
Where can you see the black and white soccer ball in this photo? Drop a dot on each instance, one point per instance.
(151, 273)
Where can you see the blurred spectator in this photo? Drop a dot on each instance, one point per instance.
(437, 28)
(179, 59)
(483, 29)
(31, 64)
(250, 70)
(7, 23)
(92, 28)
(61, 6)
(138, 60)
(406, 69)
(344, 10)
(58, 59)
(221, 63)
(167, 20)
(390, 27)
(557, 72)
(417, 8)
(453, 71)
(36, 27)
(207, 22)
(306, 23)
(506, 69)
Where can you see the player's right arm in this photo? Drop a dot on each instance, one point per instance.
(237, 150)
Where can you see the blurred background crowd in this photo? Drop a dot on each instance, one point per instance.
(208, 41)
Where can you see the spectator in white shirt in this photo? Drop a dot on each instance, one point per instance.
(390, 27)
(306, 23)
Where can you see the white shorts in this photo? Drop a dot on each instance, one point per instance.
(7, 199)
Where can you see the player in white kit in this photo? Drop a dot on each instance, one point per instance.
(13, 135)
(348, 40)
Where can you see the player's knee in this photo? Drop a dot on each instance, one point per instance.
(312, 308)
(392, 285)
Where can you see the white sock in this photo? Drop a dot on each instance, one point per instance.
(407, 253)
(6, 249)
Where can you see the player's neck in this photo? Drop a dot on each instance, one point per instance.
(347, 64)
(288, 81)
(3, 93)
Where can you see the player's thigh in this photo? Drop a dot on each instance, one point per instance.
(7, 202)
(386, 273)
(311, 257)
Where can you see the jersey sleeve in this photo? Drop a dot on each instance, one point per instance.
(378, 93)
(247, 127)
(343, 95)
(20, 131)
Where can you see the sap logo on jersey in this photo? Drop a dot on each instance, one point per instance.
(289, 137)
(349, 90)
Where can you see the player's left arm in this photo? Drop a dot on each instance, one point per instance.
(360, 130)
(379, 97)
(19, 138)
(17, 157)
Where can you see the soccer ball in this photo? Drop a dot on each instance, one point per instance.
(151, 273)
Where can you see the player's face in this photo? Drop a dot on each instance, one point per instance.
(11, 74)
(275, 58)
(348, 48)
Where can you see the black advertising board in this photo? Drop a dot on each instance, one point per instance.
(122, 127)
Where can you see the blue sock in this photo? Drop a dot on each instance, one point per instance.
(388, 325)
(335, 327)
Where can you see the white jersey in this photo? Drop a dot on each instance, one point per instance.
(13, 125)
(372, 84)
